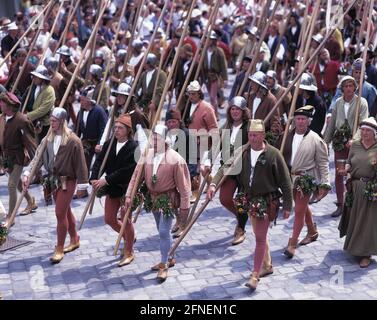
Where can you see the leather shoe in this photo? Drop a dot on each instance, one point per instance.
(80, 194)
(266, 271)
(239, 237)
(364, 262)
(72, 247)
(338, 212)
(29, 208)
(253, 281)
(171, 263)
(58, 255)
(127, 259)
(162, 272)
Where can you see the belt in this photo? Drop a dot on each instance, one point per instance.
(362, 179)
(155, 194)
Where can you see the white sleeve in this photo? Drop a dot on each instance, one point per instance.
(280, 54)
(104, 134)
(141, 138)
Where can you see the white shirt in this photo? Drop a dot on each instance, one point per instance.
(346, 108)
(120, 68)
(258, 66)
(294, 30)
(297, 138)
(85, 117)
(186, 66)
(209, 56)
(36, 92)
(135, 60)
(193, 108)
(7, 118)
(57, 141)
(256, 104)
(234, 133)
(254, 155)
(149, 77)
(156, 161)
(173, 138)
(120, 146)
(271, 41)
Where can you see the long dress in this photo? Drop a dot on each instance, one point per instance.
(359, 224)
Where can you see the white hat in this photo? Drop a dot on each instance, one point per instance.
(346, 78)
(42, 73)
(123, 89)
(213, 35)
(318, 37)
(196, 13)
(12, 26)
(194, 86)
(161, 130)
(370, 123)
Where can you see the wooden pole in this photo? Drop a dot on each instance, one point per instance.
(25, 33)
(93, 193)
(112, 50)
(367, 39)
(167, 32)
(293, 103)
(363, 22)
(200, 64)
(257, 48)
(133, 192)
(62, 39)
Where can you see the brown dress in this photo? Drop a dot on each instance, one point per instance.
(359, 223)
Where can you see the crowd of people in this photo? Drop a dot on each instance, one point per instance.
(122, 66)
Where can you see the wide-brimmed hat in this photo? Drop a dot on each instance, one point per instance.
(41, 72)
(260, 78)
(305, 111)
(194, 86)
(123, 89)
(307, 82)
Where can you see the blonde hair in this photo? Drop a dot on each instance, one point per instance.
(66, 132)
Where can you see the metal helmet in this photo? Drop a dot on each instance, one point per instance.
(123, 89)
(96, 70)
(152, 59)
(271, 74)
(357, 64)
(41, 72)
(121, 53)
(137, 43)
(51, 63)
(64, 51)
(307, 82)
(99, 54)
(213, 35)
(260, 78)
(239, 102)
(59, 113)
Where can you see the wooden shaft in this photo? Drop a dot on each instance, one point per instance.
(367, 39)
(257, 48)
(293, 104)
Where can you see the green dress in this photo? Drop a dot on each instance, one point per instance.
(359, 223)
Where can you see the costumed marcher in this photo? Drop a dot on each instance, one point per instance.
(233, 135)
(41, 101)
(340, 129)
(240, 78)
(306, 156)
(91, 121)
(260, 102)
(119, 168)
(64, 160)
(17, 145)
(200, 119)
(167, 179)
(359, 221)
(260, 173)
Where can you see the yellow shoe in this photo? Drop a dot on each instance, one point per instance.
(253, 281)
(127, 259)
(58, 255)
(171, 263)
(29, 208)
(72, 247)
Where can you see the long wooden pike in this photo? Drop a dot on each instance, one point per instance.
(161, 104)
(44, 144)
(151, 114)
(257, 48)
(93, 193)
(281, 35)
(200, 64)
(194, 59)
(367, 39)
(112, 50)
(68, 24)
(25, 33)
